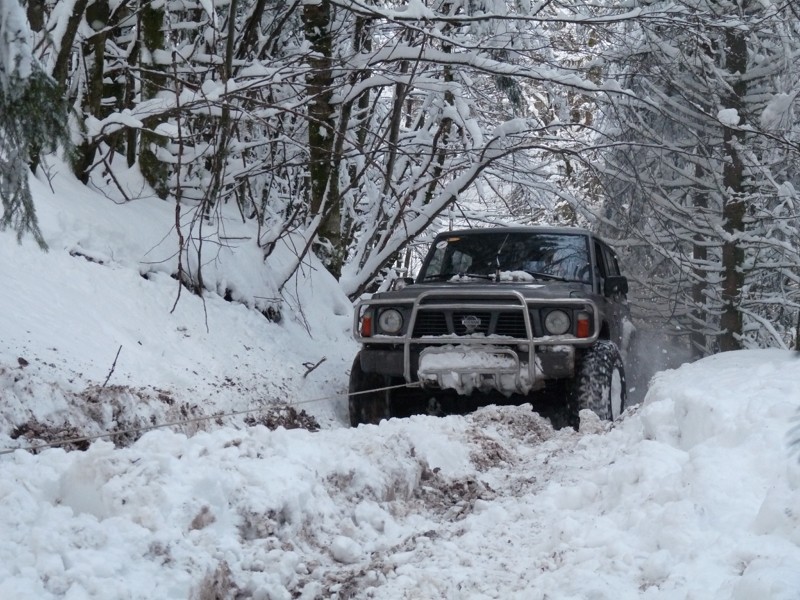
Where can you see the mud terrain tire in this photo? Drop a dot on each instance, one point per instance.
(369, 407)
(599, 384)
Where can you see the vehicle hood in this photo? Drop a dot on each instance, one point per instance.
(539, 289)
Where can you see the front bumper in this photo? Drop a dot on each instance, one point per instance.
(465, 368)
(507, 364)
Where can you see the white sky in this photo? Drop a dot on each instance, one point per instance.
(695, 494)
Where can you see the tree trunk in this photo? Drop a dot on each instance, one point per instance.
(225, 127)
(61, 68)
(797, 334)
(93, 100)
(323, 185)
(700, 256)
(733, 210)
(152, 38)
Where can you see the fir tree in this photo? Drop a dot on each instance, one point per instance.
(32, 120)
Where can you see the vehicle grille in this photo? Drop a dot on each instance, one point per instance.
(430, 323)
(511, 324)
(460, 329)
(449, 322)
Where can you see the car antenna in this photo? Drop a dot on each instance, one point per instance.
(497, 260)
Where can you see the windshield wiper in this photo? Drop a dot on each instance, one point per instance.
(447, 276)
(541, 275)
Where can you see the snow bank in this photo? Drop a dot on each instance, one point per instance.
(692, 495)
(91, 341)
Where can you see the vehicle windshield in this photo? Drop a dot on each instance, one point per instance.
(543, 256)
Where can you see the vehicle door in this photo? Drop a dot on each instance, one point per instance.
(615, 304)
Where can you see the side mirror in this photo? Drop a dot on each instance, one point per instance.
(400, 283)
(616, 284)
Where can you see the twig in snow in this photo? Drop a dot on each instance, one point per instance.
(113, 366)
(311, 366)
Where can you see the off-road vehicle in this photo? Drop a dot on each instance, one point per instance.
(504, 313)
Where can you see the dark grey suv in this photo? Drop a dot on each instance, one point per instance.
(497, 313)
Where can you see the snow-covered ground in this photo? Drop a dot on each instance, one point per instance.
(100, 302)
(694, 494)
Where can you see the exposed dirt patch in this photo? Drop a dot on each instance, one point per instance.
(495, 426)
(34, 434)
(452, 498)
(284, 416)
(519, 421)
(117, 413)
(449, 500)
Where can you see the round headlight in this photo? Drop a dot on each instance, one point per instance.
(556, 322)
(390, 321)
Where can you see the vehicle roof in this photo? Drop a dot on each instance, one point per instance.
(519, 229)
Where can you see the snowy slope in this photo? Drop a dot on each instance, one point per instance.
(695, 494)
(66, 313)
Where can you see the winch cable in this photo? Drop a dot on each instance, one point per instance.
(215, 416)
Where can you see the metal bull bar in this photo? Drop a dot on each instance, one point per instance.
(508, 300)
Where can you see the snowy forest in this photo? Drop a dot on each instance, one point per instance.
(358, 128)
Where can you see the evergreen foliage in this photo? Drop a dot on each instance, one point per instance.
(32, 121)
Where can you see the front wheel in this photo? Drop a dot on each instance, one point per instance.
(599, 384)
(366, 405)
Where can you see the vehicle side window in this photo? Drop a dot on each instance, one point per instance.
(612, 266)
(600, 268)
